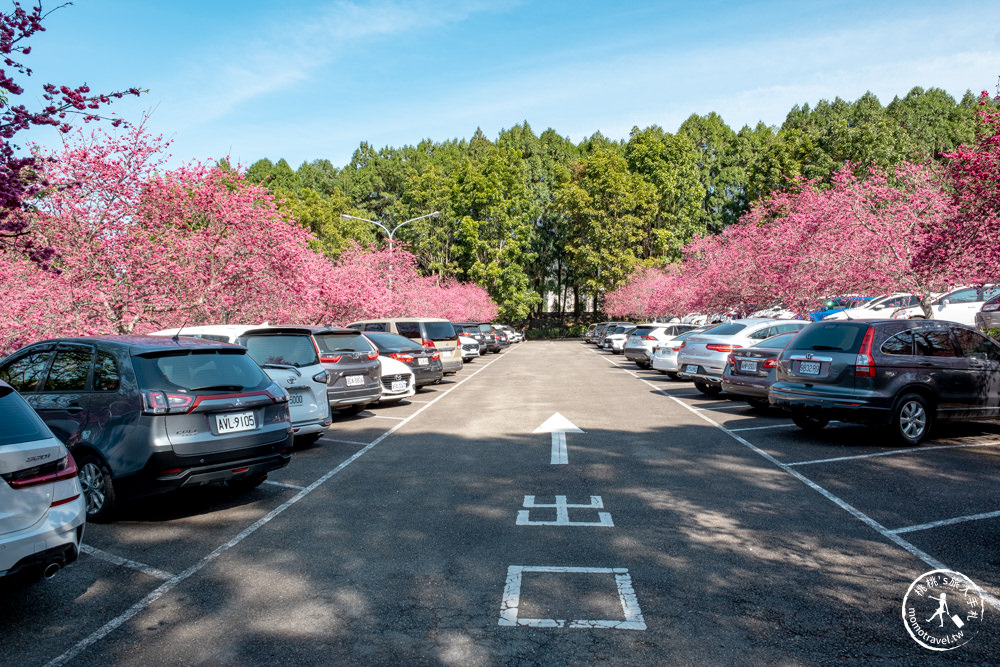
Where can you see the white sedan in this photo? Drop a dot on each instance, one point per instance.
(958, 305)
(397, 380)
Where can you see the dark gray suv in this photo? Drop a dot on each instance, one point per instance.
(902, 373)
(149, 414)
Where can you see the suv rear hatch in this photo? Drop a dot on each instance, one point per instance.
(350, 359)
(210, 400)
(826, 353)
(290, 358)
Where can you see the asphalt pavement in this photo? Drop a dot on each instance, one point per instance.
(551, 505)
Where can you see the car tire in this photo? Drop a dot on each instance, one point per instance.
(98, 488)
(643, 364)
(912, 418)
(759, 404)
(671, 374)
(708, 389)
(352, 409)
(246, 484)
(809, 422)
(308, 439)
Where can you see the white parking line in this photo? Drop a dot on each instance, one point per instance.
(287, 486)
(761, 428)
(125, 562)
(175, 580)
(858, 514)
(946, 522)
(347, 442)
(894, 452)
(725, 407)
(388, 417)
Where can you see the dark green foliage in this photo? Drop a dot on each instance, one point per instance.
(539, 219)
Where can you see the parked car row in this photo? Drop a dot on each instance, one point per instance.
(903, 374)
(89, 422)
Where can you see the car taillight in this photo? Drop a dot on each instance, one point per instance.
(331, 360)
(716, 347)
(373, 355)
(990, 307)
(771, 363)
(64, 468)
(162, 402)
(435, 356)
(401, 356)
(647, 338)
(322, 376)
(426, 342)
(731, 361)
(277, 394)
(864, 365)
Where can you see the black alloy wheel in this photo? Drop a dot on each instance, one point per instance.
(708, 389)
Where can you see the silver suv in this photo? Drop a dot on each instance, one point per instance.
(149, 414)
(43, 515)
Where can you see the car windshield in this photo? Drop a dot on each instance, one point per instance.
(837, 336)
(392, 341)
(20, 423)
(777, 342)
(334, 343)
(191, 370)
(286, 349)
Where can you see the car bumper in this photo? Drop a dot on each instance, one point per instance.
(315, 426)
(637, 354)
(54, 539)
(746, 386)
(856, 408)
(340, 398)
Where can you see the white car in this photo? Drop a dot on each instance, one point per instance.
(615, 341)
(43, 507)
(470, 347)
(877, 308)
(645, 337)
(288, 356)
(958, 305)
(513, 335)
(397, 380)
(664, 355)
(704, 356)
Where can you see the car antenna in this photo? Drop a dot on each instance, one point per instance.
(177, 333)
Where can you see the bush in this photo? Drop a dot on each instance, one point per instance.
(993, 333)
(556, 331)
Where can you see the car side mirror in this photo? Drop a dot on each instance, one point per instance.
(945, 302)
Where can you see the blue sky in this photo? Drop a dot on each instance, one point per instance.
(305, 80)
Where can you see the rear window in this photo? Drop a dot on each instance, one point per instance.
(832, 337)
(345, 342)
(470, 329)
(643, 331)
(287, 349)
(20, 423)
(728, 329)
(193, 370)
(440, 330)
(777, 342)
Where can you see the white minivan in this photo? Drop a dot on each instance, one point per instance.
(289, 357)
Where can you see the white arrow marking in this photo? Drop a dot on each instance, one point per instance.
(558, 426)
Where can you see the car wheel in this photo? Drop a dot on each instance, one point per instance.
(352, 409)
(911, 419)
(307, 439)
(808, 422)
(671, 374)
(759, 404)
(708, 389)
(98, 488)
(643, 364)
(245, 484)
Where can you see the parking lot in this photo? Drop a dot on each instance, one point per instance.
(551, 505)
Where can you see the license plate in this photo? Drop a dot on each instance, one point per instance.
(809, 367)
(399, 386)
(234, 423)
(422, 361)
(295, 399)
(691, 368)
(355, 380)
(748, 366)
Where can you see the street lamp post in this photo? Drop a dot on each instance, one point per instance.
(391, 233)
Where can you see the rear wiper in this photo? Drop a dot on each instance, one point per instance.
(219, 387)
(287, 367)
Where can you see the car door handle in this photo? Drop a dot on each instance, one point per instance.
(73, 409)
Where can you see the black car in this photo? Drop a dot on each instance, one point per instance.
(148, 414)
(902, 373)
(424, 362)
(482, 332)
(750, 371)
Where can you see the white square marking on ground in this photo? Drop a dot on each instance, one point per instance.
(512, 598)
(562, 513)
